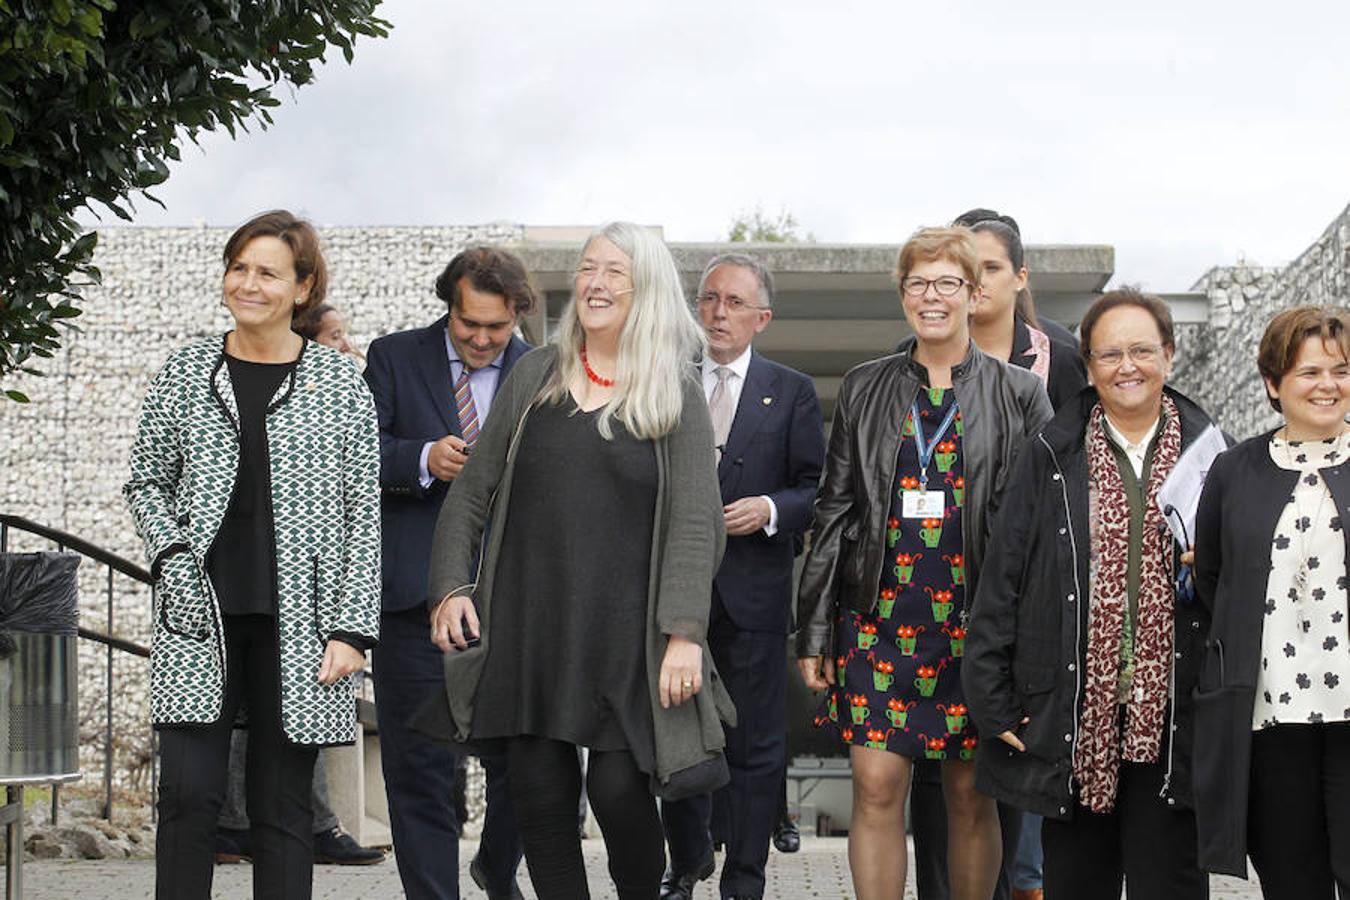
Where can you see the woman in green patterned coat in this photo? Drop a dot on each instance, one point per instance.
(254, 483)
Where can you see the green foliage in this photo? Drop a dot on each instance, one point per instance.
(96, 96)
(757, 227)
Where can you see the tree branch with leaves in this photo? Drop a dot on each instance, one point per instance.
(97, 96)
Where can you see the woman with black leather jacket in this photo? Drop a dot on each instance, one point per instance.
(1082, 656)
(920, 449)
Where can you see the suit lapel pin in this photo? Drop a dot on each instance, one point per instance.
(767, 401)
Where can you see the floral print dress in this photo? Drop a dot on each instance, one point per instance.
(898, 669)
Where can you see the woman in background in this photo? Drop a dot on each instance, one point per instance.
(324, 325)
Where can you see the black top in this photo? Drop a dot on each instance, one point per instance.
(566, 643)
(1068, 374)
(242, 561)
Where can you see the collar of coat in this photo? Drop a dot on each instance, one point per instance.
(1065, 432)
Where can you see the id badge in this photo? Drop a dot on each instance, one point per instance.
(923, 504)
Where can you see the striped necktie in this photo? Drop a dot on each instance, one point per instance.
(721, 408)
(468, 413)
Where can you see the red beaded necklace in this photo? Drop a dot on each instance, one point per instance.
(590, 373)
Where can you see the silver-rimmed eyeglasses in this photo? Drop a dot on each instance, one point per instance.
(1140, 354)
(730, 301)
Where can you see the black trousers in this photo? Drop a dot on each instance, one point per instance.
(1298, 813)
(419, 772)
(545, 779)
(194, 762)
(742, 814)
(1148, 844)
(928, 826)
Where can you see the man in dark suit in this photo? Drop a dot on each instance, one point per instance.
(771, 446)
(433, 389)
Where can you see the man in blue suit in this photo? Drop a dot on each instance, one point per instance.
(433, 388)
(770, 448)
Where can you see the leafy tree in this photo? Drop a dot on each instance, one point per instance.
(757, 227)
(97, 95)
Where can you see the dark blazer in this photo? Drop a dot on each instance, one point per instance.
(1240, 507)
(1027, 645)
(776, 448)
(409, 374)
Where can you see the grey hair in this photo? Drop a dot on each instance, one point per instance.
(660, 340)
(750, 264)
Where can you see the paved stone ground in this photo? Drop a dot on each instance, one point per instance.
(820, 870)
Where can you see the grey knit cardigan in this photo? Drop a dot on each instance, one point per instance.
(687, 543)
(323, 450)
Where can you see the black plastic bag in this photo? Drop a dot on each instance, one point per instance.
(39, 593)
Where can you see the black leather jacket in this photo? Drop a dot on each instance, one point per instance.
(1001, 405)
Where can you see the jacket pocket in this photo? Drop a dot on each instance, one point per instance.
(1036, 693)
(319, 631)
(182, 598)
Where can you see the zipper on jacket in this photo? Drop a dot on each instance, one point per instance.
(1166, 791)
(1077, 617)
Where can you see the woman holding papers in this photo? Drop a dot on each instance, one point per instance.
(1082, 650)
(1272, 745)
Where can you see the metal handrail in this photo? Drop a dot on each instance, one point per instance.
(115, 564)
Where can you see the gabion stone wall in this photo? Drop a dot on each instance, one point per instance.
(64, 456)
(1216, 362)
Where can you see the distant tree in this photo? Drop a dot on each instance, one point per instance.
(97, 95)
(757, 227)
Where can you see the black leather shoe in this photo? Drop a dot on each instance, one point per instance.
(337, 847)
(681, 886)
(232, 845)
(786, 837)
(480, 878)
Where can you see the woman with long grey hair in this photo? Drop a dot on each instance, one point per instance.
(586, 624)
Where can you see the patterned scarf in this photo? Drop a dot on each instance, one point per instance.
(1101, 746)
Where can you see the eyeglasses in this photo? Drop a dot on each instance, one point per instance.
(611, 275)
(731, 302)
(1142, 354)
(946, 286)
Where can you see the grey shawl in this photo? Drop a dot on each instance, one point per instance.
(687, 543)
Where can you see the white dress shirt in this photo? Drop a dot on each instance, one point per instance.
(740, 367)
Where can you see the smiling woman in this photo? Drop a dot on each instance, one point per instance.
(922, 442)
(254, 485)
(592, 601)
(1272, 746)
(1083, 644)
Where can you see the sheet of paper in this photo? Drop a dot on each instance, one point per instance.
(1181, 490)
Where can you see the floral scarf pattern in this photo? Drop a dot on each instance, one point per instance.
(1101, 744)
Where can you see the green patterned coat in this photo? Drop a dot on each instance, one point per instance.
(323, 451)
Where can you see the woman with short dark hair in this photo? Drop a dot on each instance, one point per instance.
(1082, 653)
(1272, 555)
(254, 486)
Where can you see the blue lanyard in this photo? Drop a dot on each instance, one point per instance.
(926, 449)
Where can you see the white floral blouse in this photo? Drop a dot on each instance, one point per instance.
(1305, 644)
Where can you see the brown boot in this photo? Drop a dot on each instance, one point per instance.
(1028, 894)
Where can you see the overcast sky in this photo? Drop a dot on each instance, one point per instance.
(1185, 133)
